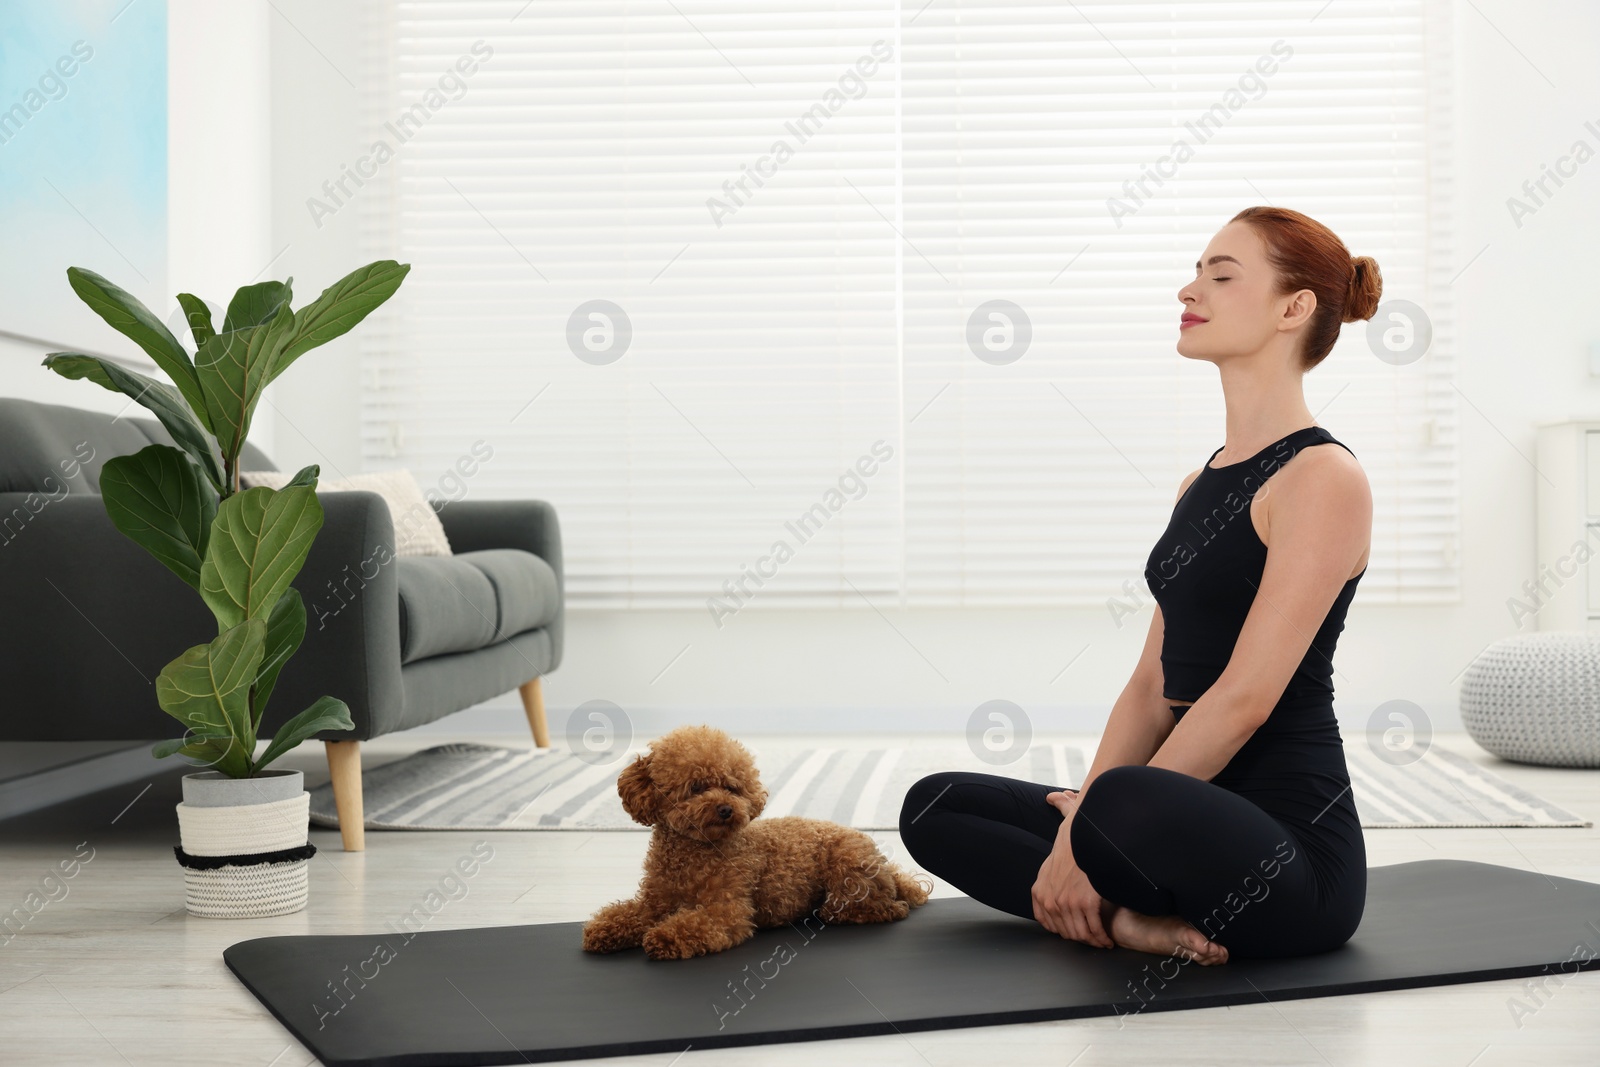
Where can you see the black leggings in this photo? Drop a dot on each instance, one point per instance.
(1152, 839)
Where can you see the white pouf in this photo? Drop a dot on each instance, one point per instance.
(1535, 698)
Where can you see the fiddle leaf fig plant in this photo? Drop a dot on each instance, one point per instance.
(240, 550)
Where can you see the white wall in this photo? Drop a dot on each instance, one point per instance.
(1524, 323)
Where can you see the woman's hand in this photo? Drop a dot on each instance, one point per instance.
(1063, 900)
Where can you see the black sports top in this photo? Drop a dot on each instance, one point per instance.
(1207, 565)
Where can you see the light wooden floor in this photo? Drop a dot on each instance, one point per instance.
(116, 972)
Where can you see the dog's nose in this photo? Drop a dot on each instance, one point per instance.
(724, 811)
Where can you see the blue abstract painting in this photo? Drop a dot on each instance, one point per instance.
(83, 162)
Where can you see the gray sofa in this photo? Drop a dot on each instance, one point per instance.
(88, 618)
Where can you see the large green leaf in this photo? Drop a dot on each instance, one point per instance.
(234, 366)
(159, 397)
(286, 628)
(124, 313)
(218, 753)
(255, 304)
(340, 307)
(258, 544)
(207, 688)
(158, 498)
(326, 714)
(198, 316)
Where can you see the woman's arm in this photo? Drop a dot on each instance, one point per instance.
(1214, 728)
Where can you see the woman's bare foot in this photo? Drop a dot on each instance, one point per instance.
(1165, 934)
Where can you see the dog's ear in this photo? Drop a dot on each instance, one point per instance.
(758, 799)
(640, 798)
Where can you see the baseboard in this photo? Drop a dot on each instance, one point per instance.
(498, 717)
(507, 717)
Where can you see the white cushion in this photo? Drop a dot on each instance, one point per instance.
(417, 529)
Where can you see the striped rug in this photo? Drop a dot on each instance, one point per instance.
(478, 787)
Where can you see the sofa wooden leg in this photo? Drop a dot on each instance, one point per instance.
(344, 764)
(533, 703)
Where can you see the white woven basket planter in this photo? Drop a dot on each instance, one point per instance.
(250, 892)
(243, 844)
(1535, 698)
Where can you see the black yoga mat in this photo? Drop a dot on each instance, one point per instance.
(530, 994)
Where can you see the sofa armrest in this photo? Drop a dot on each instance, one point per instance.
(531, 525)
(352, 597)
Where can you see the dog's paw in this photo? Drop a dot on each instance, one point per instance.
(659, 945)
(597, 938)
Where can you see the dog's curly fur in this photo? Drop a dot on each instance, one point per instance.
(712, 877)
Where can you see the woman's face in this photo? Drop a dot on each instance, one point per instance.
(1232, 306)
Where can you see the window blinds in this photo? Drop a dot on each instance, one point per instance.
(850, 305)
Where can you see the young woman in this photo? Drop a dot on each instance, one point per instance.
(1217, 818)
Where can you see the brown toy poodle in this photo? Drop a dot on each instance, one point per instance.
(712, 875)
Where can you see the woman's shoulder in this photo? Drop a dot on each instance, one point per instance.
(1333, 461)
(1328, 464)
(1327, 481)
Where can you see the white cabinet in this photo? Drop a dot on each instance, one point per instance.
(1566, 589)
